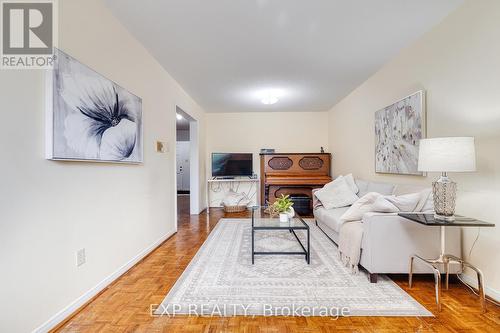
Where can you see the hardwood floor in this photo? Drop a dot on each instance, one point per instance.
(125, 305)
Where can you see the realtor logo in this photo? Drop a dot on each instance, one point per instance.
(28, 34)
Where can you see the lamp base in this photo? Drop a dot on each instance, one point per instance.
(444, 191)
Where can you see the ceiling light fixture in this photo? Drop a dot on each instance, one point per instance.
(179, 117)
(270, 96)
(269, 100)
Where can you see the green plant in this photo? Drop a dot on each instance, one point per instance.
(283, 204)
(272, 210)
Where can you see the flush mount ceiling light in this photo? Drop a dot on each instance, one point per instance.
(270, 96)
(269, 100)
(179, 117)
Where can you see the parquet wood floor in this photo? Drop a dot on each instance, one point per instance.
(124, 305)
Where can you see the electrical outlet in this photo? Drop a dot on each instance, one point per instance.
(80, 257)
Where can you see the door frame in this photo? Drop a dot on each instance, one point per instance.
(194, 163)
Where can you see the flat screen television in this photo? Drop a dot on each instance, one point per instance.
(232, 164)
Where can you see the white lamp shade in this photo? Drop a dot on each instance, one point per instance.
(455, 154)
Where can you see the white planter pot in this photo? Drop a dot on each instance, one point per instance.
(284, 217)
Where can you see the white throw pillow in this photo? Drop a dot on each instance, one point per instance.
(370, 202)
(336, 194)
(352, 184)
(405, 202)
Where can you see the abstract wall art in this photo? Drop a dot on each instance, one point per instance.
(398, 130)
(90, 118)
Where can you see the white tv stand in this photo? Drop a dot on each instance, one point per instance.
(218, 187)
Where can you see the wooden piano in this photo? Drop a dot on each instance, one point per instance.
(295, 174)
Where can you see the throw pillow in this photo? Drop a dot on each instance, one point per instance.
(370, 202)
(352, 184)
(336, 194)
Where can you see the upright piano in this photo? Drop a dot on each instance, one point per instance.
(295, 174)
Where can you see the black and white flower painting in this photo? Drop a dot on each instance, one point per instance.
(90, 117)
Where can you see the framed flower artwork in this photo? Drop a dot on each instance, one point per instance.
(89, 117)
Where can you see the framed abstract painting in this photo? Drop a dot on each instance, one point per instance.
(89, 117)
(398, 130)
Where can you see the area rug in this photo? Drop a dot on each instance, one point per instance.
(221, 280)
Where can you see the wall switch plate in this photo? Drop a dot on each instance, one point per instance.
(161, 147)
(80, 257)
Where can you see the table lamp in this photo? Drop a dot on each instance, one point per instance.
(453, 154)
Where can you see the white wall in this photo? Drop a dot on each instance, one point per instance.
(458, 64)
(249, 132)
(49, 209)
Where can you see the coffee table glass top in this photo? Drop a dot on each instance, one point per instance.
(265, 221)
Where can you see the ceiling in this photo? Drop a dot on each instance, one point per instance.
(224, 53)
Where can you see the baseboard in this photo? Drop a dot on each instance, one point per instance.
(82, 300)
(490, 292)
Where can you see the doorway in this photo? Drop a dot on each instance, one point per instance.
(186, 164)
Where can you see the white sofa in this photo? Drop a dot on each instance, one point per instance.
(389, 240)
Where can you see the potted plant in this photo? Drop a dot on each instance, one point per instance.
(283, 206)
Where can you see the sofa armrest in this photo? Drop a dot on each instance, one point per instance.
(389, 240)
(369, 215)
(316, 202)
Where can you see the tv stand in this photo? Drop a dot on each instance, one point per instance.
(217, 187)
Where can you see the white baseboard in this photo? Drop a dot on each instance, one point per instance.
(76, 304)
(494, 294)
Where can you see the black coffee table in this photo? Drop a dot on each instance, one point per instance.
(262, 221)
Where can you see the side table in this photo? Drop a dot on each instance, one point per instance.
(446, 259)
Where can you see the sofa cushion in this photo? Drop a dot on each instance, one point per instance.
(368, 186)
(407, 202)
(362, 187)
(401, 189)
(424, 203)
(428, 206)
(330, 217)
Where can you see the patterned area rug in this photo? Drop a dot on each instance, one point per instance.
(221, 280)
